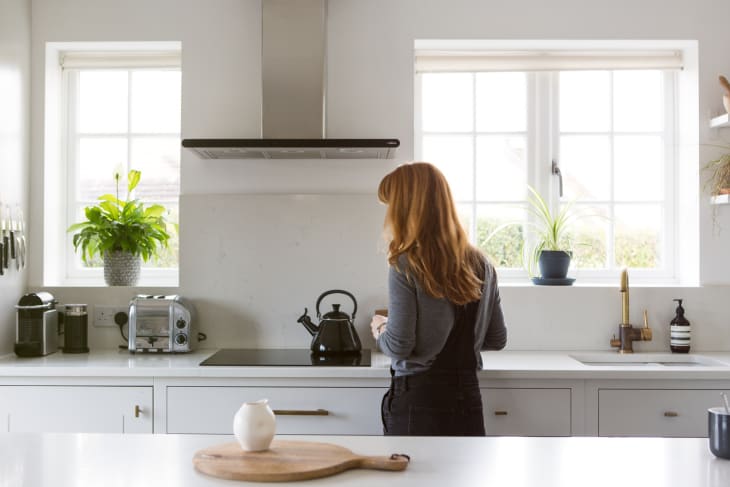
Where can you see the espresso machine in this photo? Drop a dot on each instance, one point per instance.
(36, 325)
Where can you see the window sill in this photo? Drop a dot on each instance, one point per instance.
(585, 283)
(152, 281)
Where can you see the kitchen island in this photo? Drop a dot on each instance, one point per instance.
(86, 460)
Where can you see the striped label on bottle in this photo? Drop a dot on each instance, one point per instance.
(679, 335)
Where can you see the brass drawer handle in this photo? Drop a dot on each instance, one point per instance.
(500, 413)
(671, 414)
(301, 412)
(137, 410)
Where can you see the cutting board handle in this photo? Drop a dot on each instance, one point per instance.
(396, 461)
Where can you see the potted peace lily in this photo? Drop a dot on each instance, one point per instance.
(122, 233)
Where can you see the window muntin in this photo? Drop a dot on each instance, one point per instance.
(613, 144)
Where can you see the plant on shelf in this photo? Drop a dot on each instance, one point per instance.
(719, 169)
(121, 232)
(718, 181)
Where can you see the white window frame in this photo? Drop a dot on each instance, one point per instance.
(60, 260)
(543, 87)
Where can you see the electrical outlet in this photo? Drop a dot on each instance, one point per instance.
(104, 315)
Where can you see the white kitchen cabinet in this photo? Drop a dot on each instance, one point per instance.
(655, 412)
(527, 412)
(299, 410)
(75, 408)
(356, 411)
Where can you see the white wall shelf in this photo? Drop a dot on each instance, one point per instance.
(720, 121)
(720, 199)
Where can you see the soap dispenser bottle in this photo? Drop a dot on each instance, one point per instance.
(680, 330)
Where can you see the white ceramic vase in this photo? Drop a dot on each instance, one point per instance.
(254, 425)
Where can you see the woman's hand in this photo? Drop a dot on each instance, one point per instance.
(377, 325)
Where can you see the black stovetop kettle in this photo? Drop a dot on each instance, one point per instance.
(335, 334)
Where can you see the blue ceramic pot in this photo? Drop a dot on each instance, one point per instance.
(554, 264)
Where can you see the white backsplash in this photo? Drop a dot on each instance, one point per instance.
(258, 260)
(252, 263)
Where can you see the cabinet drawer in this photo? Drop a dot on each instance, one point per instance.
(210, 410)
(526, 412)
(76, 409)
(647, 412)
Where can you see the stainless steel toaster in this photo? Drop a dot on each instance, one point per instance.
(162, 324)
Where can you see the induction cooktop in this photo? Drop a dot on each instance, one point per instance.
(278, 357)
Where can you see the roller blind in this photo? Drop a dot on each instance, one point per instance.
(120, 59)
(435, 61)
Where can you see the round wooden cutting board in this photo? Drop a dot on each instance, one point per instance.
(288, 460)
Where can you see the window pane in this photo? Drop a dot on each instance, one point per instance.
(584, 101)
(155, 101)
(447, 102)
(585, 166)
(638, 236)
(454, 156)
(638, 100)
(159, 160)
(501, 102)
(504, 247)
(501, 168)
(639, 168)
(99, 158)
(589, 236)
(102, 102)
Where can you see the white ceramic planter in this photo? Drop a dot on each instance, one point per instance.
(121, 268)
(254, 425)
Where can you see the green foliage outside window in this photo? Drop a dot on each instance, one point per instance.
(590, 250)
(636, 250)
(504, 248)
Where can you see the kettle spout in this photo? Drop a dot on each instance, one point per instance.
(311, 327)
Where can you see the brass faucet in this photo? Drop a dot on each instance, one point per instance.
(627, 333)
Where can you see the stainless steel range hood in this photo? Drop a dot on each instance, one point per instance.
(293, 67)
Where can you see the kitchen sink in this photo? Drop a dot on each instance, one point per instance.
(647, 359)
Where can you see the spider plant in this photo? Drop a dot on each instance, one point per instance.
(549, 229)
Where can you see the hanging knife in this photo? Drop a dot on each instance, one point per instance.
(21, 239)
(6, 241)
(2, 243)
(15, 240)
(13, 233)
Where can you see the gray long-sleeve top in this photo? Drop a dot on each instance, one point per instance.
(419, 325)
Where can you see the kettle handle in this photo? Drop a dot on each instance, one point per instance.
(336, 291)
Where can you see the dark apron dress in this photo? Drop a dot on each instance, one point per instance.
(445, 400)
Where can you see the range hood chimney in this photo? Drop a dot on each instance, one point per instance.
(293, 65)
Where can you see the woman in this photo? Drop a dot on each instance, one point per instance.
(444, 308)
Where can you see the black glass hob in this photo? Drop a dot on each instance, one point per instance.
(274, 357)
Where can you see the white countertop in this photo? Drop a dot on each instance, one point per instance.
(92, 460)
(497, 365)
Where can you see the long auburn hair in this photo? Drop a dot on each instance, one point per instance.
(423, 224)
